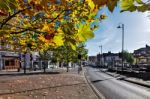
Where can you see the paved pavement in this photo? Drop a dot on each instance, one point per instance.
(21, 72)
(66, 85)
(138, 81)
(112, 88)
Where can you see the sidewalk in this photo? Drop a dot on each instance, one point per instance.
(46, 86)
(130, 79)
(138, 81)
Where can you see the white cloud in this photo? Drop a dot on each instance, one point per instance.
(141, 42)
(137, 33)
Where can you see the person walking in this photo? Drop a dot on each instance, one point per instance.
(79, 69)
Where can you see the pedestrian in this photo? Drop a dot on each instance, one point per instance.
(79, 69)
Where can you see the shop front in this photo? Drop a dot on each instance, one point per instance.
(11, 63)
(9, 60)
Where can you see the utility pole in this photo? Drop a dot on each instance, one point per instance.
(122, 26)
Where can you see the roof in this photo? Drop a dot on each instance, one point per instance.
(147, 47)
(145, 51)
(108, 54)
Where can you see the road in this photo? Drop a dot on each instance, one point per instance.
(112, 88)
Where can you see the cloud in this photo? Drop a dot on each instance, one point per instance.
(141, 42)
(103, 36)
(137, 32)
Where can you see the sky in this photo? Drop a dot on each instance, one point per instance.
(137, 32)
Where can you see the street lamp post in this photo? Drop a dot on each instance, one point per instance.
(101, 55)
(122, 26)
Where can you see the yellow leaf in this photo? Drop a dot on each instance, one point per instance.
(58, 40)
(91, 4)
(84, 32)
(45, 27)
(72, 45)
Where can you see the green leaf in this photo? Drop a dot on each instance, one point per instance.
(85, 32)
(139, 1)
(68, 29)
(128, 5)
(142, 8)
(8, 4)
(91, 15)
(73, 46)
(133, 5)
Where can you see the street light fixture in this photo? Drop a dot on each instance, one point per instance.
(122, 26)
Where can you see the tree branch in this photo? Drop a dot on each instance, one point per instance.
(26, 29)
(10, 17)
(60, 14)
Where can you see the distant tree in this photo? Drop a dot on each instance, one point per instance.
(66, 53)
(127, 56)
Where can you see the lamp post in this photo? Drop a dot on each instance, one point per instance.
(101, 56)
(122, 26)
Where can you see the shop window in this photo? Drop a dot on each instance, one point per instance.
(12, 62)
(6, 62)
(9, 62)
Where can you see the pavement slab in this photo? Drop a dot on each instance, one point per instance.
(45, 86)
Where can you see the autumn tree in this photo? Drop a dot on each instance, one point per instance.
(65, 54)
(44, 23)
(40, 24)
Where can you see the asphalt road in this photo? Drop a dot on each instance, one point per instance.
(112, 88)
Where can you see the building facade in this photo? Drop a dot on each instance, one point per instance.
(9, 60)
(92, 60)
(142, 55)
(110, 60)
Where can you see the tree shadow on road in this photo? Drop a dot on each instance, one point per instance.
(100, 80)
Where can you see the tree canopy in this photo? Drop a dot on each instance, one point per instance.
(128, 57)
(44, 23)
(40, 24)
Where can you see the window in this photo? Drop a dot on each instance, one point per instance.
(6, 62)
(12, 62)
(9, 62)
(143, 52)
